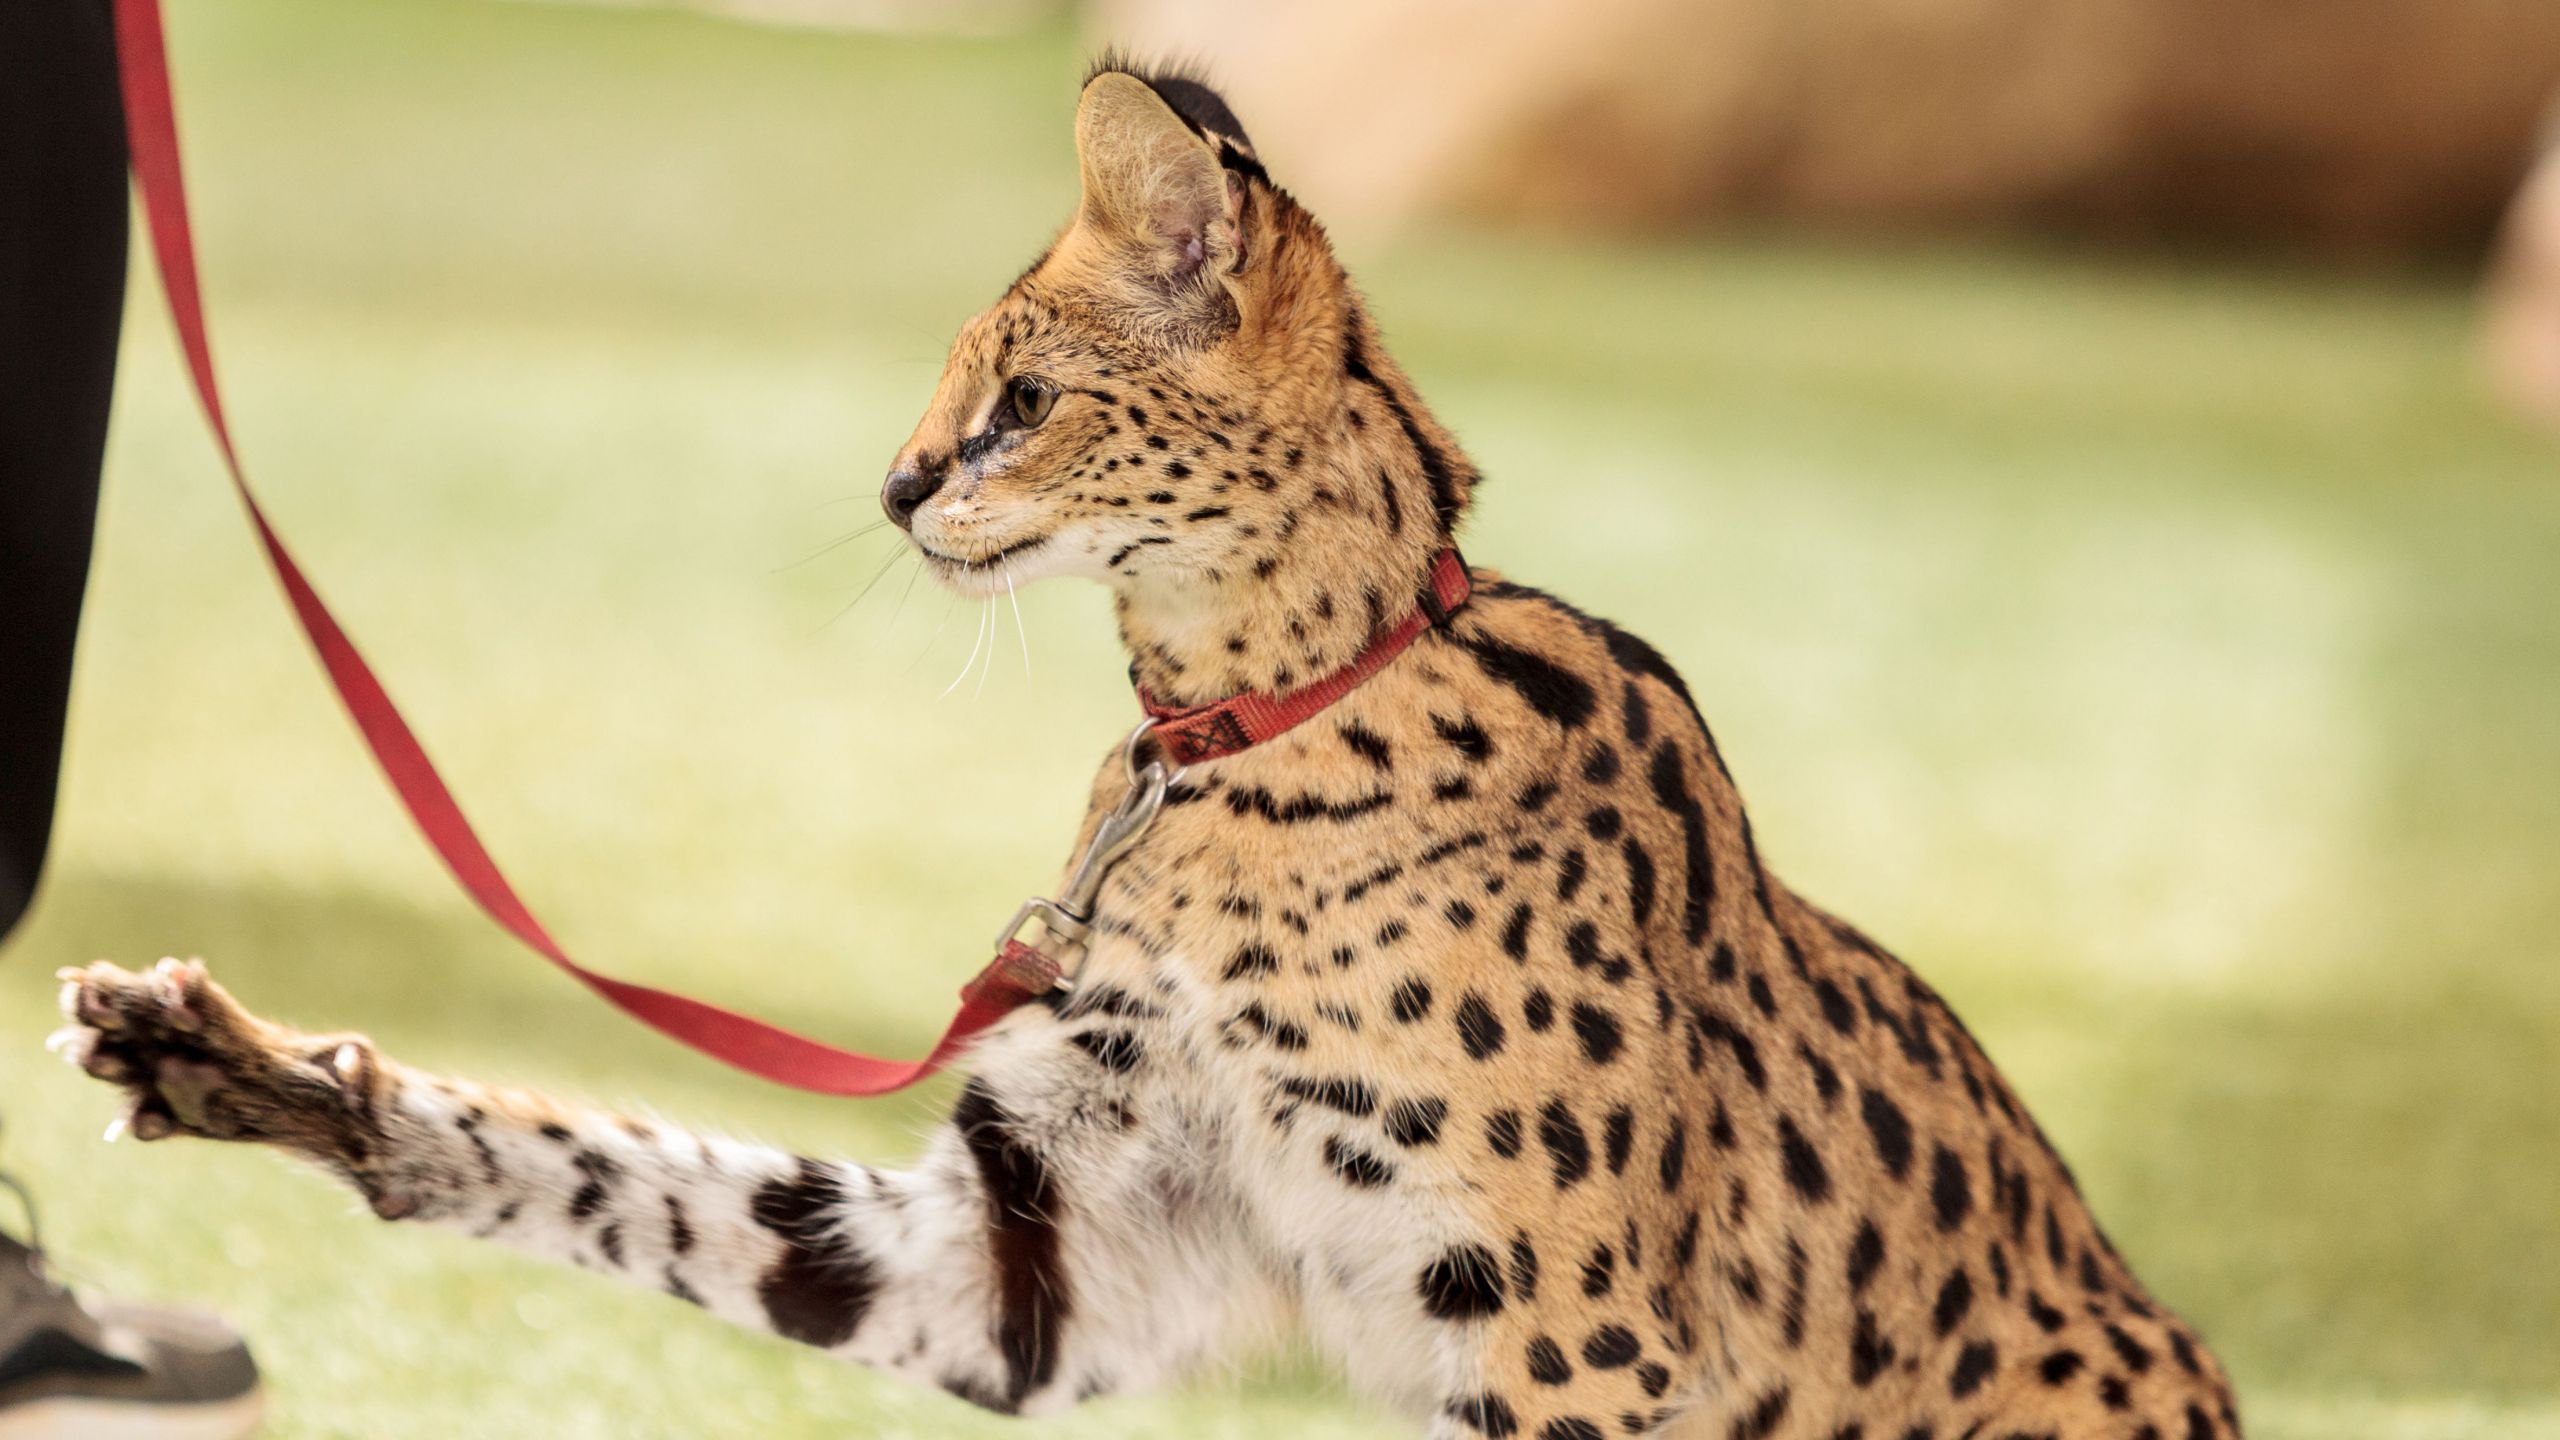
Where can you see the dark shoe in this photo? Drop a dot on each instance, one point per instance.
(80, 1370)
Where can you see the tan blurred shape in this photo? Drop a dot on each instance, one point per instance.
(2348, 125)
(943, 17)
(2523, 309)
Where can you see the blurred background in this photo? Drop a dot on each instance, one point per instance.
(2086, 456)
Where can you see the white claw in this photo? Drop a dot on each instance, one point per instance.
(72, 1043)
(115, 1129)
(348, 1062)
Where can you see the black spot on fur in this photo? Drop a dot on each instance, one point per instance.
(1792, 1309)
(1618, 1138)
(2048, 1319)
(1675, 1155)
(1368, 745)
(1302, 809)
(1763, 1419)
(1869, 1351)
(1547, 1364)
(1640, 881)
(1890, 1129)
(1357, 1167)
(1411, 1000)
(1671, 791)
(1806, 1174)
(1384, 874)
(1485, 1414)
(1538, 1008)
(1600, 766)
(1351, 1097)
(1479, 1029)
(2136, 1356)
(1955, 1301)
(821, 1288)
(1283, 1034)
(1836, 1009)
(1974, 1365)
(1463, 1283)
(1570, 873)
(1866, 1256)
(1551, 690)
(1599, 1272)
(1763, 999)
(1567, 1147)
(1611, 1347)
(1253, 960)
(1950, 1193)
(1117, 1051)
(1746, 1054)
(1524, 1267)
(1412, 1123)
(1599, 1032)
(1826, 1080)
(1033, 1294)
(1465, 736)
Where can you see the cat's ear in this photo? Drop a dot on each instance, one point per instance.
(1155, 186)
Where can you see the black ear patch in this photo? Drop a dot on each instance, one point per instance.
(1190, 97)
(1203, 109)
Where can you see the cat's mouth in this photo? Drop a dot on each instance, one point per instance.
(969, 572)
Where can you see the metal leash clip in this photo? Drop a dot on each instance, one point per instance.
(1066, 921)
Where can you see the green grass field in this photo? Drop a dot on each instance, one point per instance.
(2165, 657)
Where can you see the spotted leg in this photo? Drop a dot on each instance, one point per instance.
(1023, 1263)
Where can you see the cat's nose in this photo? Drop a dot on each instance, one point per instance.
(907, 490)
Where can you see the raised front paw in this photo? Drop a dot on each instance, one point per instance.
(191, 1061)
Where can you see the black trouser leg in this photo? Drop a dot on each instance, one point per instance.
(62, 266)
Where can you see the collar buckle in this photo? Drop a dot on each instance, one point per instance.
(1067, 921)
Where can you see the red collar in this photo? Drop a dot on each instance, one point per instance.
(1191, 734)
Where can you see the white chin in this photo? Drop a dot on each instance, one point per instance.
(1010, 570)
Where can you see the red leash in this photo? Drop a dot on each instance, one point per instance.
(1019, 973)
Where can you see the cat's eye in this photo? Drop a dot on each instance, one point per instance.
(1029, 399)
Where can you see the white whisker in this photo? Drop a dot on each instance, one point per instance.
(993, 639)
(830, 547)
(941, 623)
(903, 592)
(885, 567)
(1019, 629)
(985, 613)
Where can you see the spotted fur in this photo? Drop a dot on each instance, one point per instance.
(1462, 1024)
